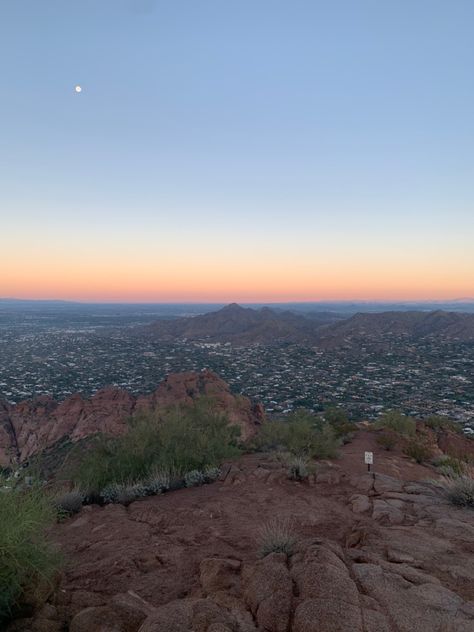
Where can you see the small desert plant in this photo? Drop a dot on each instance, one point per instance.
(26, 558)
(194, 478)
(69, 503)
(297, 468)
(418, 451)
(123, 493)
(277, 536)
(211, 474)
(459, 490)
(387, 441)
(159, 481)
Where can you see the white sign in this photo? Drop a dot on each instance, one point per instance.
(369, 458)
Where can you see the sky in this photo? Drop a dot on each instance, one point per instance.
(237, 150)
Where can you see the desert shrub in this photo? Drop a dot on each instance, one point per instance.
(123, 493)
(301, 434)
(449, 465)
(387, 441)
(298, 468)
(178, 440)
(339, 421)
(277, 536)
(459, 490)
(439, 423)
(69, 503)
(211, 474)
(194, 478)
(26, 558)
(399, 423)
(159, 481)
(418, 451)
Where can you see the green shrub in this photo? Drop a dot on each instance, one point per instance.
(302, 434)
(387, 441)
(277, 536)
(399, 423)
(439, 423)
(459, 490)
(418, 451)
(179, 440)
(337, 418)
(26, 558)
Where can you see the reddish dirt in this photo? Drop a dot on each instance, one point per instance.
(374, 553)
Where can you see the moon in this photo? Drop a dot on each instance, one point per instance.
(78, 89)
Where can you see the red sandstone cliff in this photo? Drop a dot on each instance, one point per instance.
(31, 426)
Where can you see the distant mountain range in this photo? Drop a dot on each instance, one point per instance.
(412, 325)
(243, 326)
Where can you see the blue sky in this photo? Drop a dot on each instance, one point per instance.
(320, 134)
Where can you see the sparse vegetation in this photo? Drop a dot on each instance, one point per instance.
(449, 465)
(397, 422)
(387, 440)
(26, 558)
(418, 451)
(277, 536)
(459, 490)
(339, 421)
(182, 439)
(298, 468)
(194, 478)
(302, 434)
(439, 423)
(69, 503)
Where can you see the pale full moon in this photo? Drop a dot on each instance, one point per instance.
(78, 88)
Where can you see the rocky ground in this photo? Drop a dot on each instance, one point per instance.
(381, 552)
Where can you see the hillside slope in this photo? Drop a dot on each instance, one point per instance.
(374, 553)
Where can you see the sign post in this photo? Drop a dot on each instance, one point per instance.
(369, 459)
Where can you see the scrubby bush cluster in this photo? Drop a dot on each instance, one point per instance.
(439, 423)
(277, 536)
(26, 558)
(387, 440)
(418, 451)
(158, 451)
(397, 422)
(302, 434)
(339, 421)
(449, 465)
(459, 490)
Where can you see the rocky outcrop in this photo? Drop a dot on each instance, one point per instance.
(372, 553)
(32, 426)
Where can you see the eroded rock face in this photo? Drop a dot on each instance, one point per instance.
(31, 426)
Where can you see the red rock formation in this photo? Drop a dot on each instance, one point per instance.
(31, 426)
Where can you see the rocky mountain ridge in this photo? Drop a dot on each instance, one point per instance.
(243, 326)
(31, 426)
